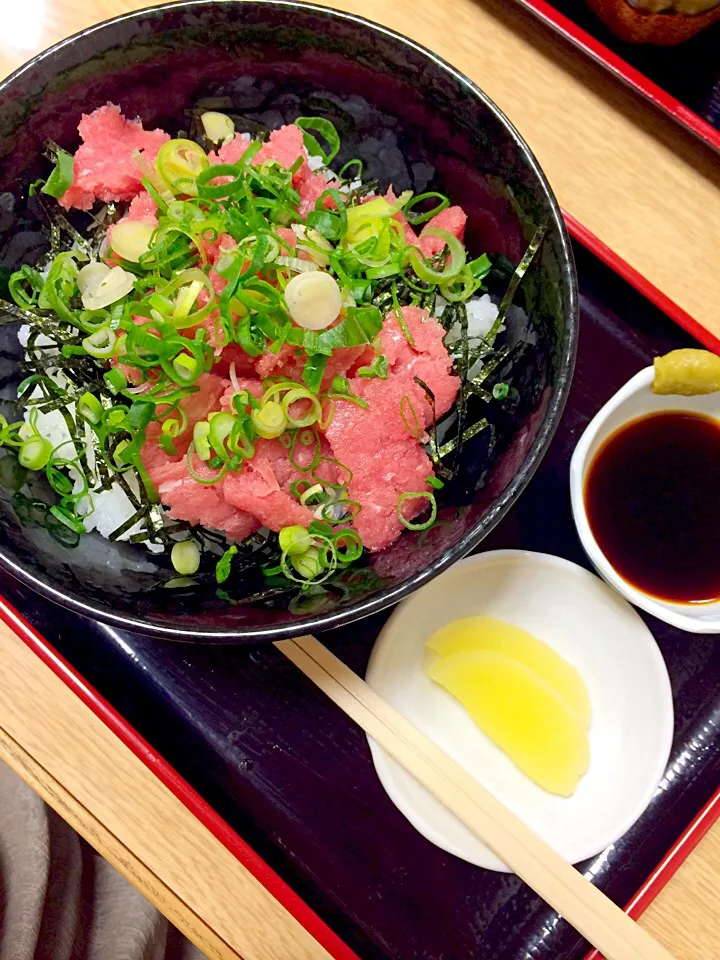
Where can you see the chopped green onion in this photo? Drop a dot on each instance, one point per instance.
(348, 545)
(179, 163)
(140, 414)
(313, 371)
(326, 130)
(60, 180)
(171, 426)
(312, 414)
(500, 391)
(100, 344)
(224, 564)
(167, 444)
(328, 512)
(218, 127)
(378, 368)
(340, 385)
(312, 493)
(185, 299)
(221, 426)
(461, 287)
(404, 498)
(90, 409)
(399, 315)
(480, 267)
(215, 463)
(118, 455)
(321, 528)
(187, 368)
(343, 172)
(416, 218)
(434, 481)
(25, 286)
(307, 565)
(294, 540)
(410, 418)
(35, 453)
(68, 519)
(421, 266)
(185, 557)
(270, 420)
(131, 239)
(360, 326)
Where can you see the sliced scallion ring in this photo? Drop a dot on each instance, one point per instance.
(185, 557)
(405, 498)
(179, 163)
(422, 267)
(35, 453)
(270, 420)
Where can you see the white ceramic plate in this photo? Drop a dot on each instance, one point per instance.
(595, 630)
(632, 401)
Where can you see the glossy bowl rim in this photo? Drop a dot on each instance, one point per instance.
(503, 503)
(579, 464)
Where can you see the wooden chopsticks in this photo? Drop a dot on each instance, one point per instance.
(592, 914)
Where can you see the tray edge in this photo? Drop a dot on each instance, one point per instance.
(157, 765)
(637, 280)
(677, 854)
(628, 74)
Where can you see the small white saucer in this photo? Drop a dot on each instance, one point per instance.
(599, 633)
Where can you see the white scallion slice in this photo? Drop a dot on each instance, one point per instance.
(113, 286)
(301, 266)
(91, 275)
(313, 299)
(130, 239)
(218, 127)
(307, 236)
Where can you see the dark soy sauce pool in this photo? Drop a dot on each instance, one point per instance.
(652, 497)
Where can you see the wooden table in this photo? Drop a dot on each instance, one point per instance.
(639, 183)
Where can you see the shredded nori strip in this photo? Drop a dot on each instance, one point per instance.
(512, 287)
(457, 441)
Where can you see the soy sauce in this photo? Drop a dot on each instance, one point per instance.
(652, 497)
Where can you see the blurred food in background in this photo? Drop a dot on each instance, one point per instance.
(660, 22)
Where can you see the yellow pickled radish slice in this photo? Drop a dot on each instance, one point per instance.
(687, 372)
(313, 299)
(490, 633)
(130, 239)
(521, 713)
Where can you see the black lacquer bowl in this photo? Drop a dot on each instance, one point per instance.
(417, 123)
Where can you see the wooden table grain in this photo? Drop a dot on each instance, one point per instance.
(644, 187)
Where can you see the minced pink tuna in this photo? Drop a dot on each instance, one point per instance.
(105, 168)
(377, 445)
(380, 445)
(259, 495)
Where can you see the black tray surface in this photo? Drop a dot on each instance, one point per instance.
(293, 775)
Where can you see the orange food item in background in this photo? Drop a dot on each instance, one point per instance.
(661, 29)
